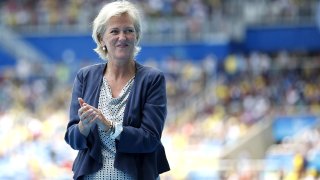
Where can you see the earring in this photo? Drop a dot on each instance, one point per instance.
(104, 48)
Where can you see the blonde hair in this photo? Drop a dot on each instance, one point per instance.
(108, 11)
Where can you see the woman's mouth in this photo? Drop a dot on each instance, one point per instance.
(122, 45)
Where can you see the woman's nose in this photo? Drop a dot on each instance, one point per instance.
(122, 36)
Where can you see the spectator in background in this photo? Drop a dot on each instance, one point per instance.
(118, 108)
(317, 15)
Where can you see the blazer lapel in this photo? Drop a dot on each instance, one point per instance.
(96, 82)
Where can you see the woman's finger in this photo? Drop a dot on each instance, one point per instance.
(90, 118)
(96, 117)
(81, 101)
(83, 109)
(92, 107)
(86, 114)
(80, 111)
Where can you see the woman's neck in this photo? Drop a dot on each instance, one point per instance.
(116, 71)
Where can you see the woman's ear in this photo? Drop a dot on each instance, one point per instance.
(101, 42)
(100, 39)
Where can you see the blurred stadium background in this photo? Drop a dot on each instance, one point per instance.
(243, 84)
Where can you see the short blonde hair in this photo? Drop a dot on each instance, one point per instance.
(108, 11)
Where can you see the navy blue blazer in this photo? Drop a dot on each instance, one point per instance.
(139, 151)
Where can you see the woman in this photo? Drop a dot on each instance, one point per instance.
(118, 108)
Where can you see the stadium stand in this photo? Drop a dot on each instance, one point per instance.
(230, 66)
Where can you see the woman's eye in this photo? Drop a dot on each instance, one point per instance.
(114, 32)
(129, 31)
(126, 31)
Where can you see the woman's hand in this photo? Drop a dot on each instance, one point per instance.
(87, 117)
(90, 115)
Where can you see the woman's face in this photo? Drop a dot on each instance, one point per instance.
(120, 38)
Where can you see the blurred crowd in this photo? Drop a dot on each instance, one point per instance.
(303, 152)
(54, 12)
(242, 89)
(192, 17)
(212, 104)
(33, 115)
(295, 158)
(227, 98)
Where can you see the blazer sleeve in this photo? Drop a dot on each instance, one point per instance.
(146, 138)
(73, 135)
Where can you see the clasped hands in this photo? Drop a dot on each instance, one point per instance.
(89, 116)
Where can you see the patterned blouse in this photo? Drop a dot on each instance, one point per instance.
(112, 109)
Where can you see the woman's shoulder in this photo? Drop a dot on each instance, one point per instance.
(150, 75)
(148, 70)
(91, 69)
